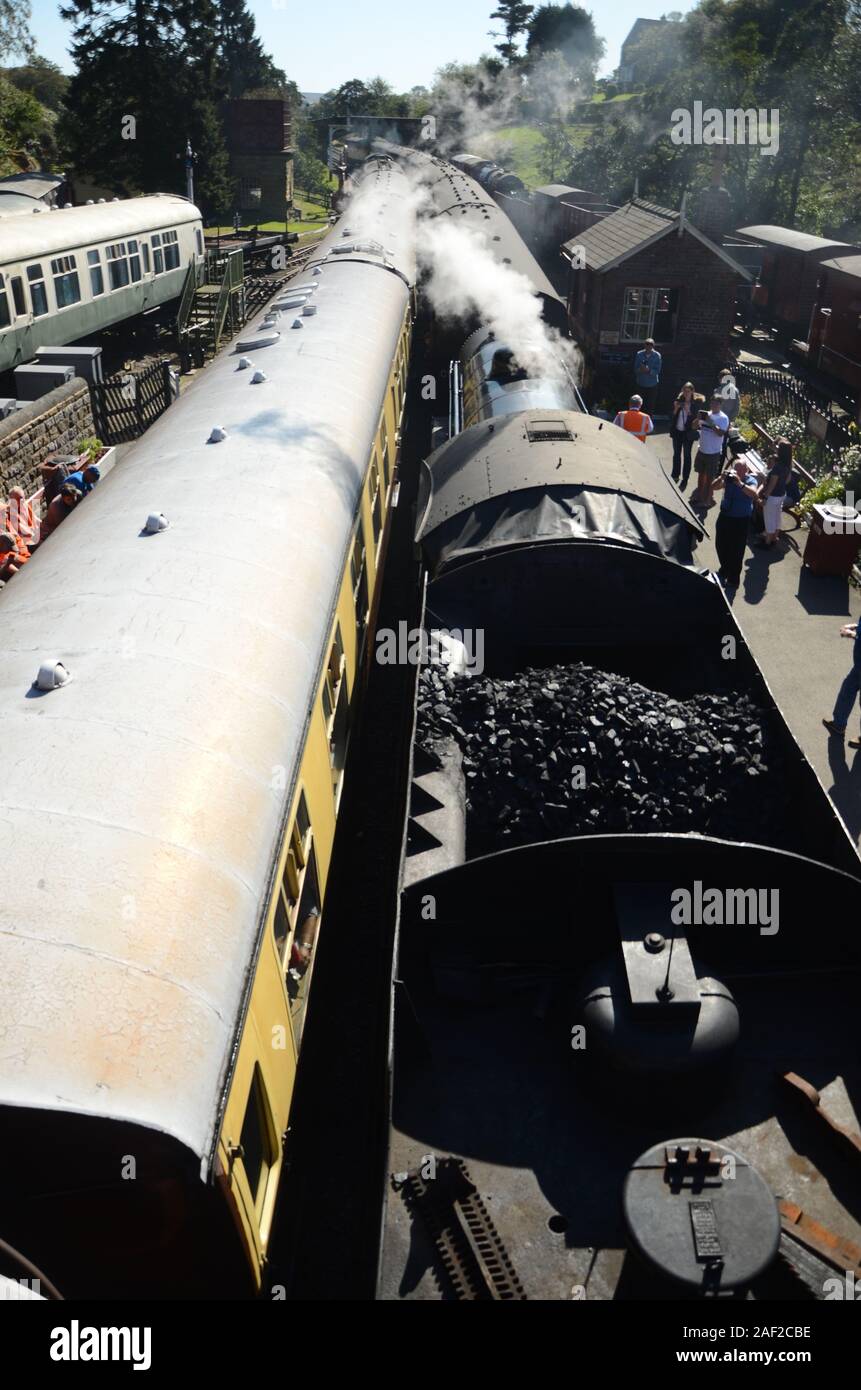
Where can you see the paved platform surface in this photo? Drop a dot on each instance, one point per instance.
(792, 620)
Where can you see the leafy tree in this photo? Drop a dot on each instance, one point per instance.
(243, 63)
(146, 81)
(15, 36)
(311, 175)
(569, 30)
(514, 16)
(42, 79)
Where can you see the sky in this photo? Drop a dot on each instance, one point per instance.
(323, 44)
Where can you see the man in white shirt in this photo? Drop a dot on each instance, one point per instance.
(712, 426)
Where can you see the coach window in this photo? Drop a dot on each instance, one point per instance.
(145, 255)
(67, 287)
(384, 450)
(198, 236)
(258, 1150)
(359, 574)
(97, 279)
(18, 295)
(170, 245)
(134, 259)
(118, 265)
(376, 501)
(38, 292)
(157, 254)
(5, 320)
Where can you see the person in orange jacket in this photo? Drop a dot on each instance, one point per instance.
(13, 554)
(635, 420)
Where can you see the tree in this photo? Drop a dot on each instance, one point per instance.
(515, 17)
(243, 63)
(15, 36)
(146, 82)
(42, 79)
(569, 30)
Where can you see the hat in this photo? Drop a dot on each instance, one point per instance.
(94, 471)
(738, 445)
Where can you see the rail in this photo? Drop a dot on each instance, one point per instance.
(232, 279)
(787, 394)
(192, 281)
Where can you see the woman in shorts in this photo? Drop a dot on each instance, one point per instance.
(772, 493)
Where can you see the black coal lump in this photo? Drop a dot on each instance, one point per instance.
(573, 750)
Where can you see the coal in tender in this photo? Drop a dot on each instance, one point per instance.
(573, 750)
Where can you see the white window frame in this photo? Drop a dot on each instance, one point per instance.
(641, 316)
(65, 268)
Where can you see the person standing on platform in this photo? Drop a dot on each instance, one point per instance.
(740, 490)
(730, 401)
(635, 420)
(682, 417)
(850, 689)
(712, 426)
(647, 374)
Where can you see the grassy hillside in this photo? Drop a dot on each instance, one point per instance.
(519, 148)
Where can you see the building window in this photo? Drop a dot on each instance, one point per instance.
(170, 246)
(648, 313)
(38, 292)
(157, 254)
(97, 279)
(258, 1152)
(67, 288)
(5, 318)
(118, 265)
(250, 193)
(18, 295)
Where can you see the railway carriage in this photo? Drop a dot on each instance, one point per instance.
(170, 809)
(68, 273)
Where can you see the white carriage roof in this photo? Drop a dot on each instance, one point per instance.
(141, 804)
(45, 233)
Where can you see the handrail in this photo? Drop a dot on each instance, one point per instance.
(183, 313)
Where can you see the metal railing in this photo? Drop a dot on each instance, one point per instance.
(789, 395)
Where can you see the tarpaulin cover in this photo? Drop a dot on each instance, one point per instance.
(556, 513)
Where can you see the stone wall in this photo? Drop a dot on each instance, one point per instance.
(51, 425)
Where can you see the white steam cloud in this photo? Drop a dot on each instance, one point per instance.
(465, 279)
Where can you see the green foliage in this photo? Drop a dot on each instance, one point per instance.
(514, 17)
(157, 71)
(570, 31)
(15, 36)
(311, 175)
(42, 79)
(26, 128)
(828, 488)
(91, 446)
(803, 60)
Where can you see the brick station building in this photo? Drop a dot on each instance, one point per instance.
(260, 145)
(647, 272)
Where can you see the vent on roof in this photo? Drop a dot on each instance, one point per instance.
(541, 431)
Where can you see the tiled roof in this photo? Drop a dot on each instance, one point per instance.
(615, 237)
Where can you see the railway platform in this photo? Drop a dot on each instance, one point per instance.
(792, 620)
